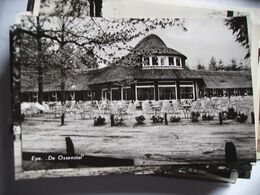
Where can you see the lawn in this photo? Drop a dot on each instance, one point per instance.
(149, 144)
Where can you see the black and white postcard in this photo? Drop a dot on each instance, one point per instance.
(130, 95)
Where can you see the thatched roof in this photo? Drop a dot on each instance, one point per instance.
(155, 45)
(226, 79)
(211, 79)
(119, 74)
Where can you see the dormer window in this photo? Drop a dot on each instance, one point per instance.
(163, 60)
(178, 61)
(171, 61)
(146, 61)
(155, 61)
(159, 61)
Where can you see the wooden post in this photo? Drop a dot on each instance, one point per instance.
(69, 146)
(165, 119)
(178, 90)
(133, 92)
(156, 94)
(112, 119)
(230, 154)
(220, 118)
(70, 151)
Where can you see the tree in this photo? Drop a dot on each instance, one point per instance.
(220, 65)
(200, 66)
(238, 25)
(213, 64)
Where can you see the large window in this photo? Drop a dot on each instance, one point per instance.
(167, 93)
(127, 93)
(145, 93)
(116, 95)
(167, 90)
(187, 91)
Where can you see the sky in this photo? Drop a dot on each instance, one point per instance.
(207, 35)
(205, 38)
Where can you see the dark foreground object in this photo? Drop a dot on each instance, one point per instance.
(231, 154)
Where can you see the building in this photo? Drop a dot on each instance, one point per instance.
(151, 71)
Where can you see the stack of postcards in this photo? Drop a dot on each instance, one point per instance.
(117, 87)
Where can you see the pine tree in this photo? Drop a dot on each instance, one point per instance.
(213, 64)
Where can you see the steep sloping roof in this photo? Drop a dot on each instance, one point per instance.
(212, 79)
(120, 73)
(155, 45)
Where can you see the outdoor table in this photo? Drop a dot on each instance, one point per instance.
(186, 110)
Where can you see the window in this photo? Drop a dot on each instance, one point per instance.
(236, 92)
(72, 95)
(187, 91)
(167, 92)
(35, 96)
(214, 92)
(155, 61)
(116, 95)
(224, 92)
(163, 60)
(105, 94)
(145, 93)
(178, 61)
(127, 94)
(146, 61)
(171, 61)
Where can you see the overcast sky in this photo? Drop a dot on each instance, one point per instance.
(207, 35)
(205, 38)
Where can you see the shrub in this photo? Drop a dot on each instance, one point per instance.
(157, 119)
(207, 117)
(118, 121)
(231, 114)
(99, 121)
(195, 116)
(140, 120)
(175, 119)
(242, 118)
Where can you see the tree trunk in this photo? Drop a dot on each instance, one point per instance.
(63, 77)
(63, 95)
(40, 68)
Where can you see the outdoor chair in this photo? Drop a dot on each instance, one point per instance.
(47, 111)
(147, 109)
(175, 109)
(130, 110)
